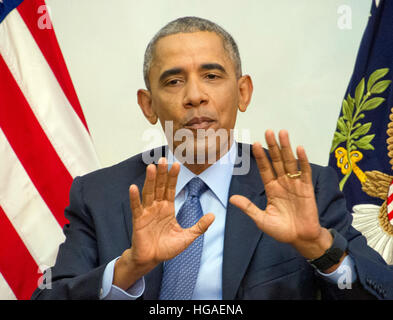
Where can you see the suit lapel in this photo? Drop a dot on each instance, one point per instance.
(241, 233)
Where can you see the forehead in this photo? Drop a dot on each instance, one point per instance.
(182, 49)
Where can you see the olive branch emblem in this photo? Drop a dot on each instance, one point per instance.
(349, 129)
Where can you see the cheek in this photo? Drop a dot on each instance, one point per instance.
(164, 107)
(228, 107)
(167, 109)
(228, 118)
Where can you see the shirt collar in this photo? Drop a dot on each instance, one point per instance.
(217, 177)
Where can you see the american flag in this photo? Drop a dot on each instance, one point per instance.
(44, 144)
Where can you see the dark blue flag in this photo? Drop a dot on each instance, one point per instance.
(6, 6)
(362, 148)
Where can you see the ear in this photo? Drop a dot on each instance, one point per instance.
(246, 88)
(145, 103)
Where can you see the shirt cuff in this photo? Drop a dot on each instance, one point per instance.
(344, 274)
(111, 292)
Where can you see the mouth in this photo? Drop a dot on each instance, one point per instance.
(199, 123)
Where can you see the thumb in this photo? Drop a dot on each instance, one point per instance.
(246, 206)
(201, 226)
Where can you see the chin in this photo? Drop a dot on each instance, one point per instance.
(201, 147)
(210, 148)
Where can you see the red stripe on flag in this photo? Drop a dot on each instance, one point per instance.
(31, 145)
(16, 264)
(390, 198)
(390, 215)
(47, 42)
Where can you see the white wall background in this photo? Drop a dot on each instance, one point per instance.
(297, 55)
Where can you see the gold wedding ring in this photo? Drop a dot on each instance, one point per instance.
(294, 175)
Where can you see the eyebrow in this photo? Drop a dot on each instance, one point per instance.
(170, 72)
(176, 70)
(212, 66)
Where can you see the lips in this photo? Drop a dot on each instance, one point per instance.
(199, 123)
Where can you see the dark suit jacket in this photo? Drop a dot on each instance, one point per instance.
(255, 266)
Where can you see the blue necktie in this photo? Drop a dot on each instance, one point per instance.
(181, 272)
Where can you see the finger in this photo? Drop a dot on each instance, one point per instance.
(201, 226)
(304, 165)
(247, 207)
(265, 168)
(289, 160)
(149, 186)
(162, 172)
(171, 182)
(135, 201)
(275, 153)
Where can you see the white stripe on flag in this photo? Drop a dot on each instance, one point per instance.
(26, 210)
(390, 207)
(5, 290)
(390, 204)
(52, 109)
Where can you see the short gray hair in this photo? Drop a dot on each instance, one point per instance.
(189, 25)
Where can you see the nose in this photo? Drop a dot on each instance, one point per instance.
(195, 94)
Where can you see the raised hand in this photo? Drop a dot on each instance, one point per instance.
(291, 214)
(156, 235)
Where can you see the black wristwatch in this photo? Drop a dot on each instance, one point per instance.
(332, 255)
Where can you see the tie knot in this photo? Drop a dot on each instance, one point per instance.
(196, 187)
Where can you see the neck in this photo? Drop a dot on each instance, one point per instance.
(197, 168)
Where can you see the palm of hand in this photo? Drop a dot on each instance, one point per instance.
(291, 213)
(157, 236)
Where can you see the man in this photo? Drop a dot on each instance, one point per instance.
(202, 229)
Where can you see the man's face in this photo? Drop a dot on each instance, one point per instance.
(194, 85)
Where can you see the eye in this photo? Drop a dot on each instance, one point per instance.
(173, 82)
(212, 76)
